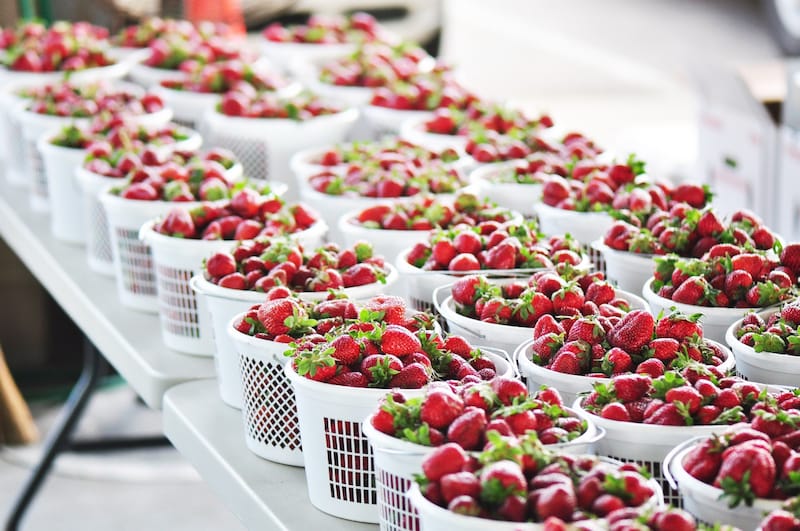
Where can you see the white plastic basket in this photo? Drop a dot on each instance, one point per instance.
(340, 471)
(98, 237)
(585, 227)
(435, 518)
(628, 270)
(67, 200)
(703, 500)
(387, 243)
(264, 146)
(507, 337)
(516, 196)
(185, 322)
(187, 106)
(763, 367)
(645, 444)
(715, 321)
(132, 257)
(285, 54)
(12, 149)
(149, 76)
(398, 461)
(571, 385)
(269, 407)
(383, 121)
(223, 303)
(414, 131)
(307, 72)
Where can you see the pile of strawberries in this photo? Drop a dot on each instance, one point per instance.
(519, 480)
(787, 518)
(428, 213)
(247, 215)
(285, 318)
(561, 295)
(508, 245)
(661, 519)
(598, 346)
(751, 461)
(374, 65)
(484, 116)
(263, 263)
(65, 46)
(423, 92)
(220, 77)
(687, 231)
(88, 100)
(358, 27)
(385, 153)
(695, 396)
(533, 169)
(779, 334)
(246, 102)
(388, 355)
(729, 276)
(118, 133)
(184, 52)
(488, 145)
(134, 156)
(398, 180)
(463, 414)
(152, 28)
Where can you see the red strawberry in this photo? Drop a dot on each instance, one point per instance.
(466, 290)
(688, 396)
(709, 224)
(679, 327)
(441, 408)
(508, 390)
(634, 331)
(746, 466)
(616, 361)
(790, 257)
(547, 324)
(446, 459)
(350, 379)
(703, 460)
(692, 291)
(665, 415)
(630, 387)
(567, 363)
(413, 376)
(380, 368)
(556, 501)
(568, 300)
(282, 316)
(615, 411)
(468, 429)
(460, 484)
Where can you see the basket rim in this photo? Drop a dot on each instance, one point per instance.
(347, 114)
(598, 245)
(707, 311)
(210, 289)
(413, 125)
(483, 173)
(308, 45)
(542, 208)
(148, 233)
(762, 360)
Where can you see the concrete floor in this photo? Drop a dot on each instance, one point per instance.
(617, 69)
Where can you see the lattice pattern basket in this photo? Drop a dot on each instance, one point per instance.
(188, 107)
(224, 303)
(627, 270)
(98, 237)
(185, 322)
(265, 146)
(383, 121)
(67, 200)
(397, 461)
(519, 197)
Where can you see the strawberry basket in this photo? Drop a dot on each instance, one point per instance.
(185, 323)
(521, 197)
(629, 271)
(413, 130)
(586, 227)
(764, 366)
(265, 145)
(398, 461)
(223, 303)
(67, 211)
(340, 469)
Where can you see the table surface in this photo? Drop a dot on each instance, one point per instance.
(129, 340)
(264, 495)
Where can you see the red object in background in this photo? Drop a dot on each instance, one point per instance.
(227, 11)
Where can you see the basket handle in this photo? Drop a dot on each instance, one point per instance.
(194, 283)
(670, 457)
(439, 295)
(506, 356)
(600, 432)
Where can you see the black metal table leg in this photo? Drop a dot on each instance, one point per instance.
(58, 438)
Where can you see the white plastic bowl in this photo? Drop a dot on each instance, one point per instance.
(715, 321)
(763, 367)
(585, 227)
(187, 106)
(285, 53)
(66, 198)
(520, 197)
(628, 270)
(308, 71)
(388, 243)
(413, 130)
(385, 121)
(149, 76)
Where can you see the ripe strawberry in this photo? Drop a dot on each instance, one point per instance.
(568, 300)
(600, 292)
(467, 289)
(350, 379)
(790, 257)
(283, 316)
(615, 411)
(665, 415)
(709, 224)
(441, 408)
(588, 329)
(443, 252)
(634, 331)
(496, 310)
(630, 387)
(746, 466)
(380, 368)
(692, 291)
(446, 459)
(393, 308)
(566, 362)
(556, 501)
(468, 429)
(616, 361)
(688, 396)
(508, 390)
(547, 324)
(346, 350)
(413, 376)
(460, 484)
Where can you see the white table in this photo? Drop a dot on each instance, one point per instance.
(129, 340)
(264, 495)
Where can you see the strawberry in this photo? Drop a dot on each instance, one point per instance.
(615, 411)
(688, 397)
(393, 308)
(790, 257)
(616, 361)
(588, 329)
(692, 291)
(556, 501)
(633, 332)
(283, 316)
(501, 479)
(467, 289)
(441, 408)
(460, 484)
(630, 387)
(547, 324)
(508, 390)
(446, 459)
(468, 429)
(380, 368)
(566, 362)
(665, 415)
(413, 376)
(346, 350)
(545, 346)
(350, 379)
(679, 327)
(746, 473)
(496, 310)
(568, 300)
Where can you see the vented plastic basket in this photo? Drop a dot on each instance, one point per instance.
(264, 146)
(98, 237)
(570, 385)
(627, 270)
(224, 303)
(383, 121)
(704, 501)
(67, 200)
(414, 131)
(763, 367)
(149, 76)
(398, 461)
(585, 227)
(645, 444)
(188, 107)
(12, 149)
(133, 260)
(284, 54)
(387, 243)
(269, 407)
(307, 72)
(185, 322)
(435, 518)
(507, 337)
(516, 196)
(715, 321)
